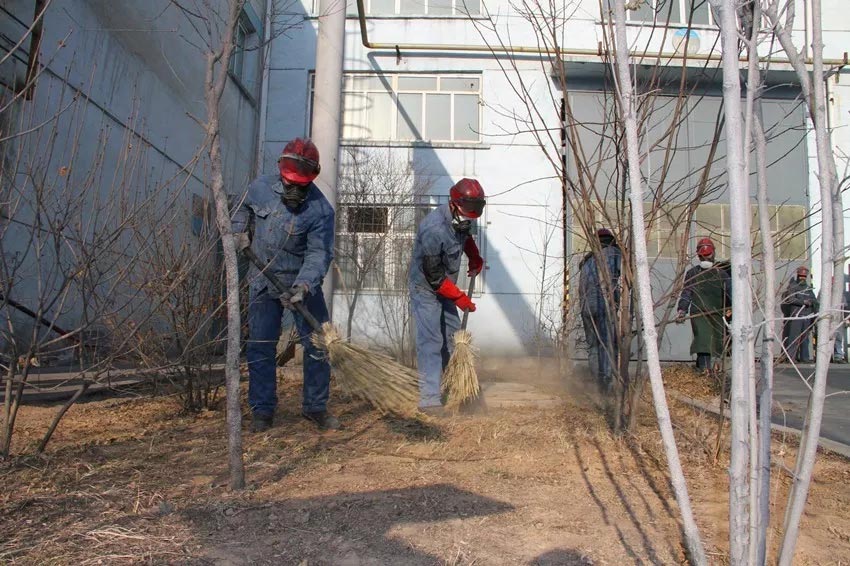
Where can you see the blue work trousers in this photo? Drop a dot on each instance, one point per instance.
(602, 345)
(264, 316)
(436, 322)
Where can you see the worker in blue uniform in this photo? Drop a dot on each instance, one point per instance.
(293, 233)
(442, 236)
(600, 304)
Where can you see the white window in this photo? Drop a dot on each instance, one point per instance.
(374, 243)
(408, 8)
(671, 12)
(412, 107)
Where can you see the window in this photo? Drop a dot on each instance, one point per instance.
(408, 8)
(671, 12)
(412, 107)
(664, 233)
(788, 225)
(237, 63)
(375, 242)
(244, 62)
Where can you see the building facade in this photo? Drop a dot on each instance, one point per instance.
(454, 88)
(109, 128)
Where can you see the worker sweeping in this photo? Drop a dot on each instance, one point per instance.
(599, 292)
(799, 304)
(706, 296)
(293, 228)
(435, 297)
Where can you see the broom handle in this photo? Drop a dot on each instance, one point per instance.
(469, 294)
(284, 292)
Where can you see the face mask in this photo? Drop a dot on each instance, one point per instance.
(460, 224)
(294, 195)
(705, 264)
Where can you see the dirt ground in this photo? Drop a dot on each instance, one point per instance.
(135, 481)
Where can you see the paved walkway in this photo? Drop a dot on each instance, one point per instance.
(791, 394)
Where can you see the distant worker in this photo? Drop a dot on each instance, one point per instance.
(706, 297)
(839, 354)
(443, 234)
(599, 296)
(293, 227)
(799, 304)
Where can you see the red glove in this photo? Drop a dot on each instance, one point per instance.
(476, 262)
(450, 291)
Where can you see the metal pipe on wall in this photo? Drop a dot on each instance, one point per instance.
(327, 103)
(642, 56)
(265, 60)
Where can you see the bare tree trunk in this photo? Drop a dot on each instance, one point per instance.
(77, 394)
(832, 235)
(750, 12)
(627, 106)
(769, 336)
(215, 84)
(741, 284)
(755, 84)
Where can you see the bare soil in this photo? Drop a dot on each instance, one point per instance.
(136, 481)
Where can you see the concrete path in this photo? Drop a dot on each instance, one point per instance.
(791, 394)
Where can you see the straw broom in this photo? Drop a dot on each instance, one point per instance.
(376, 378)
(460, 382)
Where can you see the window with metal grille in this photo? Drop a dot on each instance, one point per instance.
(374, 245)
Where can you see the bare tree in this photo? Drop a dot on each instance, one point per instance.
(219, 44)
(587, 156)
(71, 240)
(677, 477)
(742, 335)
(181, 275)
(377, 199)
(781, 14)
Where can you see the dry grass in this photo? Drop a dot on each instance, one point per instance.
(136, 481)
(386, 384)
(687, 380)
(460, 382)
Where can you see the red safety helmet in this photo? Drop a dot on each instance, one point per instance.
(604, 233)
(468, 196)
(705, 247)
(299, 162)
(803, 272)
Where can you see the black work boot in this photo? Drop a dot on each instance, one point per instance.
(322, 419)
(261, 423)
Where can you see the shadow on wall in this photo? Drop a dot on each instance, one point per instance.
(427, 162)
(348, 528)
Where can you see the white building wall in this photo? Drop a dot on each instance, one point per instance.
(525, 196)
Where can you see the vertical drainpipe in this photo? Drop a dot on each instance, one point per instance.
(265, 60)
(566, 298)
(327, 104)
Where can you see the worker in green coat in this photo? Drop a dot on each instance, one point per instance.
(706, 296)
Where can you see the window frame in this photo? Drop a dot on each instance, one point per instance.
(351, 11)
(249, 27)
(391, 80)
(683, 13)
(394, 272)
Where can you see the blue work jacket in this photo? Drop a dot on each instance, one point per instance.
(591, 291)
(436, 251)
(297, 243)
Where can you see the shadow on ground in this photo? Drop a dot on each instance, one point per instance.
(345, 529)
(562, 557)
